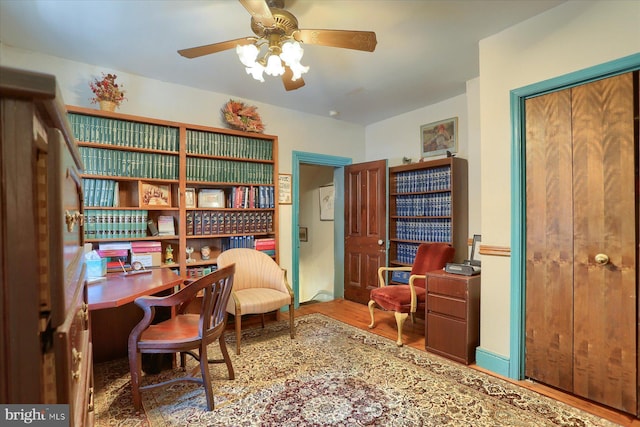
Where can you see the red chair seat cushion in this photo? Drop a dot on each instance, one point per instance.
(398, 298)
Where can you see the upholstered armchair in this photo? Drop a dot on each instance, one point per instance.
(184, 332)
(260, 286)
(405, 300)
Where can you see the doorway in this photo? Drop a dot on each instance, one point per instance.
(299, 159)
(520, 261)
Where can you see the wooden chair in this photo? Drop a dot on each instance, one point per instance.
(260, 286)
(407, 299)
(184, 332)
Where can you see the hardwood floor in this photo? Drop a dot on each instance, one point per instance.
(358, 315)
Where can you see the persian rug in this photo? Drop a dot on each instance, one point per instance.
(331, 374)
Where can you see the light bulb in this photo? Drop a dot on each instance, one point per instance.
(274, 66)
(247, 54)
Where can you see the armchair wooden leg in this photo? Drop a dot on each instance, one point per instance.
(238, 332)
(291, 321)
(373, 322)
(400, 318)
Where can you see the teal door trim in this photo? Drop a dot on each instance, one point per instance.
(518, 194)
(299, 157)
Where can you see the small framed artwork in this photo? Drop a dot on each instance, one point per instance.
(439, 137)
(303, 234)
(151, 195)
(190, 197)
(284, 189)
(326, 203)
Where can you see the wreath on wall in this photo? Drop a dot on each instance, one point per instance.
(242, 117)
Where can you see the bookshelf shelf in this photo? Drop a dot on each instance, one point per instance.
(123, 152)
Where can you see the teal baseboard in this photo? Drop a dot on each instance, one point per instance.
(492, 362)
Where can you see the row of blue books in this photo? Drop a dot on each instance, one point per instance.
(100, 192)
(435, 179)
(431, 230)
(433, 204)
(115, 223)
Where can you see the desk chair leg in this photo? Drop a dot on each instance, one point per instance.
(206, 376)
(400, 318)
(135, 367)
(225, 355)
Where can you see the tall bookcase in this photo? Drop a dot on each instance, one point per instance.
(428, 202)
(214, 186)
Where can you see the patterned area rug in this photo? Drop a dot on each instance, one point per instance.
(331, 374)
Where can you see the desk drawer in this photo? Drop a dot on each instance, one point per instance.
(446, 286)
(447, 306)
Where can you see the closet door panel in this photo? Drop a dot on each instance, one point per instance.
(605, 354)
(549, 268)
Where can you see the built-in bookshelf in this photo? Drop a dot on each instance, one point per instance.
(427, 203)
(217, 185)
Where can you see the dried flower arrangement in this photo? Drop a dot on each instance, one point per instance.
(242, 117)
(107, 89)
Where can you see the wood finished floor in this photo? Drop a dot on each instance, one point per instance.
(358, 315)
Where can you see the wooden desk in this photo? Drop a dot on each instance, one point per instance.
(119, 290)
(113, 314)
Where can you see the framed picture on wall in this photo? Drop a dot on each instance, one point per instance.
(284, 189)
(439, 137)
(151, 194)
(326, 203)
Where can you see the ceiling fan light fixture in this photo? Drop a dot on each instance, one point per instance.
(247, 54)
(256, 71)
(291, 55)
(274, 66)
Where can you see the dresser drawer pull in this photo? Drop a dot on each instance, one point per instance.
(84, 315)
(90, 404)
(76, 375)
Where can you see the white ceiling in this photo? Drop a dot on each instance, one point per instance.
(426, 50)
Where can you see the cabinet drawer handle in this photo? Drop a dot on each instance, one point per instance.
(76, 356)
(76, 375)
(72, 218)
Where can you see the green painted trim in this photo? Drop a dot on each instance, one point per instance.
(297, 158)
(518, 195)
(493, 362)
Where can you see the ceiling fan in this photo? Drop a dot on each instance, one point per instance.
(277, 48)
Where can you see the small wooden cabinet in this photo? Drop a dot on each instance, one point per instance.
(452, 315)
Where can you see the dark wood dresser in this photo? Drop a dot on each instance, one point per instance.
(452, 315)
(46, 353)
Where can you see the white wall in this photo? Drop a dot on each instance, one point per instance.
(167, 101)
(316, 255)
(571, 37)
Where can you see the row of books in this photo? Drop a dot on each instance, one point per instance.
(243, 197)
(430, 230)
(406, 252)
(204, 223)
(115, 223)
(433, 204)
(266, 243)
(100, 192)
(124, 133)
(220, 144)
(215, 170)
(121, 256)
(435, 179)
(134, 164)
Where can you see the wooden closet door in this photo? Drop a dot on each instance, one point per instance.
(581, 315)
(605, 317)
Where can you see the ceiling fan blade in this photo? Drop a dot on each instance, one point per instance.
(207, 49)
(259, 10)
(288, 83)
(358, 40)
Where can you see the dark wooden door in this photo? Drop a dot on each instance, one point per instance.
(365, 228)
(582, 218)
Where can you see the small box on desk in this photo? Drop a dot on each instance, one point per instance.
(148, 259)
(96, 267)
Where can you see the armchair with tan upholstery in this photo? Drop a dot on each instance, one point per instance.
(407, 299)
(259, 286)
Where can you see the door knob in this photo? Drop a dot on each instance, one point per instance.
(380, 242)
(602, 259)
